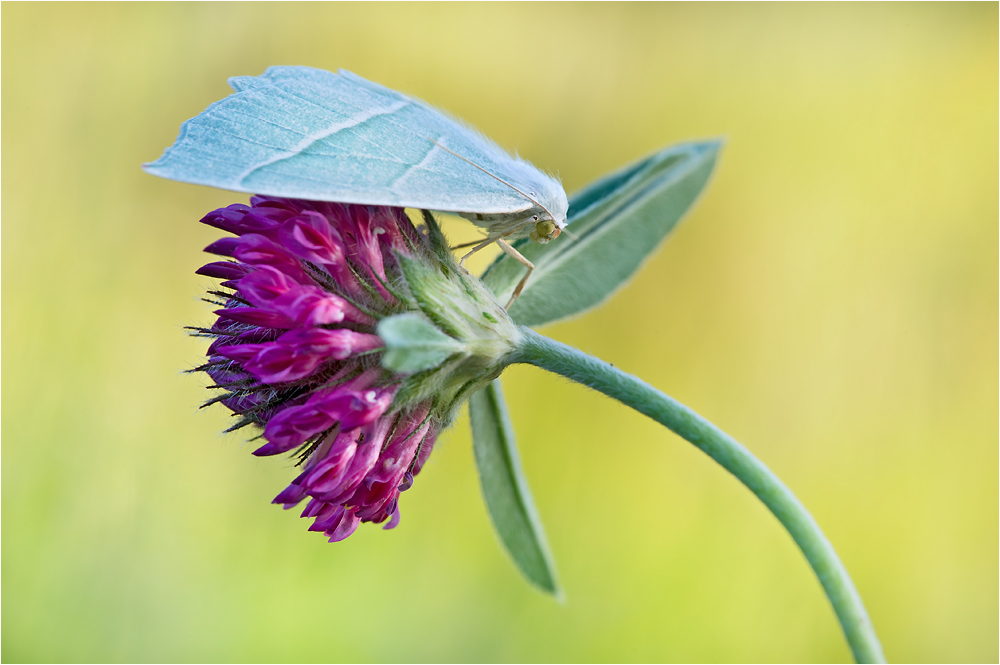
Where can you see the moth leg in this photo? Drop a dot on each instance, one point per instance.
(485, 243)
(497, 238)
(516, 255)
(463, 245)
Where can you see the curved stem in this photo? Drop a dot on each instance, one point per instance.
(573, 364)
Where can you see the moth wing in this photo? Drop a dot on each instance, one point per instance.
(306, 133)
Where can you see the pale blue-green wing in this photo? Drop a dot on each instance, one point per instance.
(307, 133)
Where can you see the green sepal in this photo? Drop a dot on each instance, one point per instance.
(413, 343)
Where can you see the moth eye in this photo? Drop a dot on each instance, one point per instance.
(546, 229)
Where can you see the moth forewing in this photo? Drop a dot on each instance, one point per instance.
(304, 133)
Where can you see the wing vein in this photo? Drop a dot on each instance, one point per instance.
(418, 165)
(332, 129)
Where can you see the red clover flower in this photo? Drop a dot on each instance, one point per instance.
(308, 289)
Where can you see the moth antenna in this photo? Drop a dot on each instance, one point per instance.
(468, 161)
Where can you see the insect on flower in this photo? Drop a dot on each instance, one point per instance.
(305, 133)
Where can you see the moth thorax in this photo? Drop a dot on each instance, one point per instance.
(545, 231)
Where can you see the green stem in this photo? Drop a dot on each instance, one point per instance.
(573, 364)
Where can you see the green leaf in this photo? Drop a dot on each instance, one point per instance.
(506, 489)
(618, 221)
(413, 343)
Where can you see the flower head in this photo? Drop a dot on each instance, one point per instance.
(350, 337)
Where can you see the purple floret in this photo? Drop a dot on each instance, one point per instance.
(295, 351)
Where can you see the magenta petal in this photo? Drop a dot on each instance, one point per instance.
(258, 250)
(310, 306)
(263, 221)
(348, 523)
(253, 335)
(223, 270)
(339, 344)
(327, 517)
(364, 458)
(229, 375)
(381, 486)
(224, 247)
(359, 409)
(291, 496)
(395, 460)
(310, 237)
(256, 317)
(298, 353)
(327, 476)
(265, 285)
(242, 402)
(314, 507)
(336, 522)
(241, 352)
(228, 218)
(394, 521)
(292, 426)
(279, 363)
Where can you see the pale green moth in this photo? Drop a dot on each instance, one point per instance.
(306, 133)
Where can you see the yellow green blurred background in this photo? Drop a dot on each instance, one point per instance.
(831, 302)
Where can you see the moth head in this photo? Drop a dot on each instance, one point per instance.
(545, 231)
